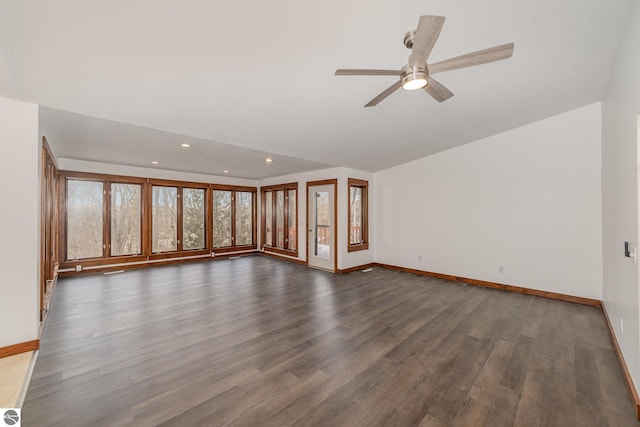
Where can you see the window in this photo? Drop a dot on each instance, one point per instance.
(233, 218)
(267, 233)
(244, 218)
(164, 214)
(279, 218)
(110, 219)
(222, 233)
(193, 222)
(85, 215)
(358, 215)
(126, 215)
(178, 219)
(101, 217)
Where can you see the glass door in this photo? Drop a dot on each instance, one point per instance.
(321, 221)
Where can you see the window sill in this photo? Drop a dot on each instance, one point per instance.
(289, 252)
(356, 248)
(223, 249)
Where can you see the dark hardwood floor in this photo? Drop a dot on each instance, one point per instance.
(262, 342)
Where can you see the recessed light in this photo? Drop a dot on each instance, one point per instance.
(185, 145)
(225, 171)
(268, 160)
(155, 162)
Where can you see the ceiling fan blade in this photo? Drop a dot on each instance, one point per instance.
(427, 34)
(388, 91)
(479, 57)
(437, 90)
(367, 72)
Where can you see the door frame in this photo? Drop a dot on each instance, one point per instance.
(334, 182)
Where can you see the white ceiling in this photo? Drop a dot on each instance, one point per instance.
(233, 77)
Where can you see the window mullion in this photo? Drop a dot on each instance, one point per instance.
(180, 219)
(106, 222)
(233, 218)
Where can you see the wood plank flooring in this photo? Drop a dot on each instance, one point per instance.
(261, 342)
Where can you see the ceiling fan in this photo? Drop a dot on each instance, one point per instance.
(417, 73)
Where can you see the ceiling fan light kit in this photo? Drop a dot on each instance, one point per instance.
(415, 75)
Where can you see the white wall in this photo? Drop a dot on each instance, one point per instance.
(620, 109)
(108, 168)
(527, 200)
(345, 259)
(19, 222)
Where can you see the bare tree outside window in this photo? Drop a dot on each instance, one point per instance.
(293, 230)
(222, 218)
(125, 219)
(280, 219)
(84, 219)
(244, 218)
(268, 204)
(110, 217)
(164, 219)
(193, 211)
(358, 215)
(355, 227)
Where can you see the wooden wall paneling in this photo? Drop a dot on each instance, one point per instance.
(48, 225)
(44, 236)
(62, 217)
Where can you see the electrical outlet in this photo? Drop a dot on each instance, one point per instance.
(420, 258)
(500, 269)
(621, 326)
(78, 268)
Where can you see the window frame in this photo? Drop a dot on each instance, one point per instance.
(364, 186)
(109, 184)
(270, 246)
(254, 225)
(178, 209)
(146, 220)
(107, 180)
(205, 217)
(180, 251)
(105, 230)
